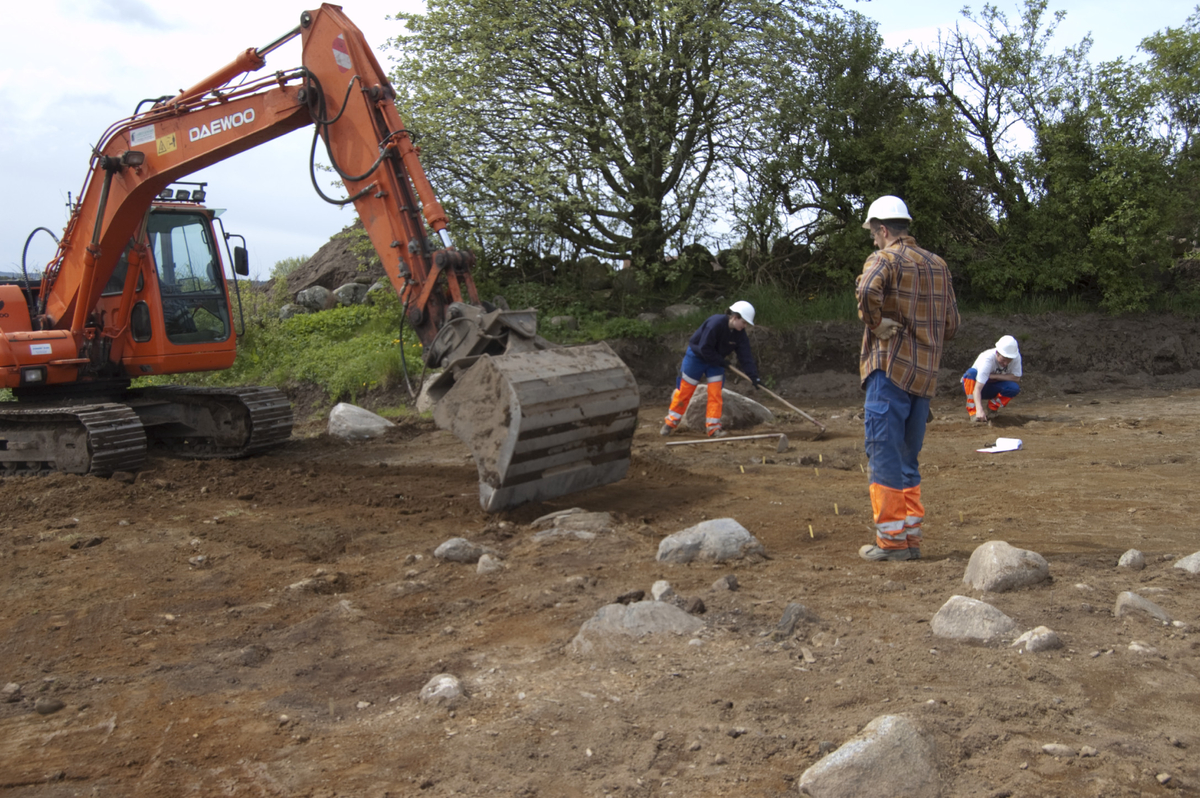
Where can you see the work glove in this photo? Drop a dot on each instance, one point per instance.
(756, 382)
(886, 329)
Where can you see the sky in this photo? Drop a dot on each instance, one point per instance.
(74, 67)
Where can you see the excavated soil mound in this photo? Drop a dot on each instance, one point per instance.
(335, 264)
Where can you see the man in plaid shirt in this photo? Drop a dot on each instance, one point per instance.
(906, 302)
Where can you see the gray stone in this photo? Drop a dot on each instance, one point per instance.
(352, 423)
(47, 706)
(889, 758)
(380, 287)
(997, 567)
(1058, 749)
(617, 625)
(11, 693)
(648, 318)
(792, 615)
(291, 309)
(680, 311)
(445, 689)
(1132, 559)
(727, 582)
(488, 564)
(718, 540)
(737, 412)
(564, 322)
(574, 523)
(1039, 639)
(968, 620)
(459, 550)
(315, 298)
(661, 590)
(1190, 563)
(350, 294)
(1129, 603)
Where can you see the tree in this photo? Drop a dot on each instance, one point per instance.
(843, 126)
(594, 126)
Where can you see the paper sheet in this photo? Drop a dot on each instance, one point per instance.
(1003, 445)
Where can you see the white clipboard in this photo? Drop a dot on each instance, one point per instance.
(1004, 445)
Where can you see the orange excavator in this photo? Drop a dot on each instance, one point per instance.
(137, 287)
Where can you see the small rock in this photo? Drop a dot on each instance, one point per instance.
(727, 582)
(662, 590)
(695, 745)
(488, 564)
(459, 550)
(445, 688)
(11, 693)
(1132, 559)
(1057, 749)
(631, 597)
(47, 706)
(1163, 778)
(695, 606)
(1087, 750)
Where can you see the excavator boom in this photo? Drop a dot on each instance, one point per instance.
(136, 288)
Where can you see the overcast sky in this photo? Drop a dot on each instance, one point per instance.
(77, 66)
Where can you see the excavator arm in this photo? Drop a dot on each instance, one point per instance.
(540, 420)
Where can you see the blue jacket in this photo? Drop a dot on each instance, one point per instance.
(715, 341)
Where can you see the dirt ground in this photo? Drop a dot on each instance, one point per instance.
(160, 615)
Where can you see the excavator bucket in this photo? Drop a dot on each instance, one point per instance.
(544, 423)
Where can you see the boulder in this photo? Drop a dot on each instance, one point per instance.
(680, 311)
(315, 298)
(350, 294)
(718, 540)
(353, 423)
(971, 621)
(996, 567)
(291, 309)
(889, 758)
(618, 625)
(737, 412)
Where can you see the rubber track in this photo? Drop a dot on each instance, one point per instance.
(115, 436)
(269, 410)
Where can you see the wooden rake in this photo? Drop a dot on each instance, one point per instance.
(779, 398)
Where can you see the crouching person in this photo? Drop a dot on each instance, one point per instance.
(996, 377)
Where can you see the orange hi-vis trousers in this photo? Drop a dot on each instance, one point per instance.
(683, 396)
(998, 392)
(894, 422)
(693, 371)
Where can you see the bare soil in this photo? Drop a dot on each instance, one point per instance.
(159, 613)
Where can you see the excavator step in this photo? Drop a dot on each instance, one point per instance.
(95, 439)
(543, 424)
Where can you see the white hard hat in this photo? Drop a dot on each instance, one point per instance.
(745, 310)
(886, 207)
(1007, 346)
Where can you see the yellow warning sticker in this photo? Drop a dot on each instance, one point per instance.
(166, 144)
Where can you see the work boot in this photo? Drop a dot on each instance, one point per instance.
(876, 554)
(914, 553)
(718, 433)
(666, 430)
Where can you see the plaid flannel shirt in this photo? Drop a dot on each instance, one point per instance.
(912, 286)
